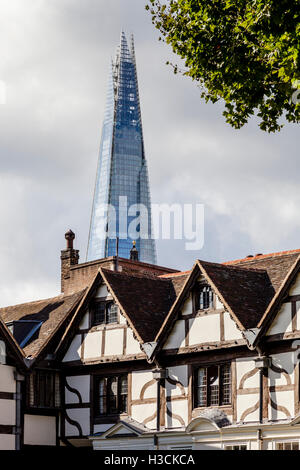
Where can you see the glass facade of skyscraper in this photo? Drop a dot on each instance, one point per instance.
(122, 206)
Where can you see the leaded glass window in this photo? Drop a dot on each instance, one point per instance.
(213, 385)
(111, 395)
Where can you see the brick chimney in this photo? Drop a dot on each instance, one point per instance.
(69, 257)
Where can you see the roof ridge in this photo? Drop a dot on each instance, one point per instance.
(262, 256)
(181, 273)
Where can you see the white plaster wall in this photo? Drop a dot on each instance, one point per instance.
(204, 329)
(282, 361)
(139, 379)
(142, 412)
(244, 402)
(7, 381)
(92, 345)
(84, 324)
(187, 308)
(285, 399)
(122, 319)
(295, 290)
(114, 342)
(82, 417)
(231, 331)
(132, 345)
(176, 338)
(243, 367)
(7, 442)
(39, 430)
(180, 374)
(74, 351)
(219, 304)
(81, 383)
(283, 320)
(8, 412)
(102, 291)
(179, 408)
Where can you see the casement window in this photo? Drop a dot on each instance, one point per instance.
(111, 395)
(44, 389)
(203, 297)
(236, 447)
(104, 313)
(213, 385)
(293, 445)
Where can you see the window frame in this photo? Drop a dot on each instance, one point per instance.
(196, 386)
(101, 417)
(106, 304)
(284, 443)
(35, 401)
(196, 297)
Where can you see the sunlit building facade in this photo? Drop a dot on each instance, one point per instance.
(121, 207)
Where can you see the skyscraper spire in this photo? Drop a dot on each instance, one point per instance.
(121, 206)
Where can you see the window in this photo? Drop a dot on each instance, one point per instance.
(213, 385)
(293, 445)
(204, 297)
(44, 389)
(111, 395)
(104, 313)
(236, 447)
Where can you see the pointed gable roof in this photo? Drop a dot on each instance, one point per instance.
(251, 290)
(144, 299)
(50, 313)
(245, 291)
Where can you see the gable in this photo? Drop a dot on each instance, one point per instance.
(98, 342)
(191, 328)
(287, 318)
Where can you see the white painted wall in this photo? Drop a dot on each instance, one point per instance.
(39, 430)
(92, 345)
(7, 442)
(82, 417)
(74, 351)
(114, 342)
(204, 329)
(231, 331)
(7, 381)
(7, 412)
(139, 379)
(283, 320)
(132, 346)
(81, 383)
(176, 338)
(187, 308)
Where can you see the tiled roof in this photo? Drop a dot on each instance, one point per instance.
(277, 265)
(51, 312)
(146, 299)
(246, 291)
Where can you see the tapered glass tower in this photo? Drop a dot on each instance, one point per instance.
(121, 206)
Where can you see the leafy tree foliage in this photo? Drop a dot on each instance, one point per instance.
(245, 52)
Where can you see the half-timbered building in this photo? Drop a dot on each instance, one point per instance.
(136, 356)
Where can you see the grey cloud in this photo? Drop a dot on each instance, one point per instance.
(55, 63)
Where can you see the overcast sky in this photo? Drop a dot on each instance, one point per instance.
(54, 60)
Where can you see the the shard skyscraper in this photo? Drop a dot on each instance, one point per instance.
(121, 206)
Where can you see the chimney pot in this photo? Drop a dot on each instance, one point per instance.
(70, 237)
